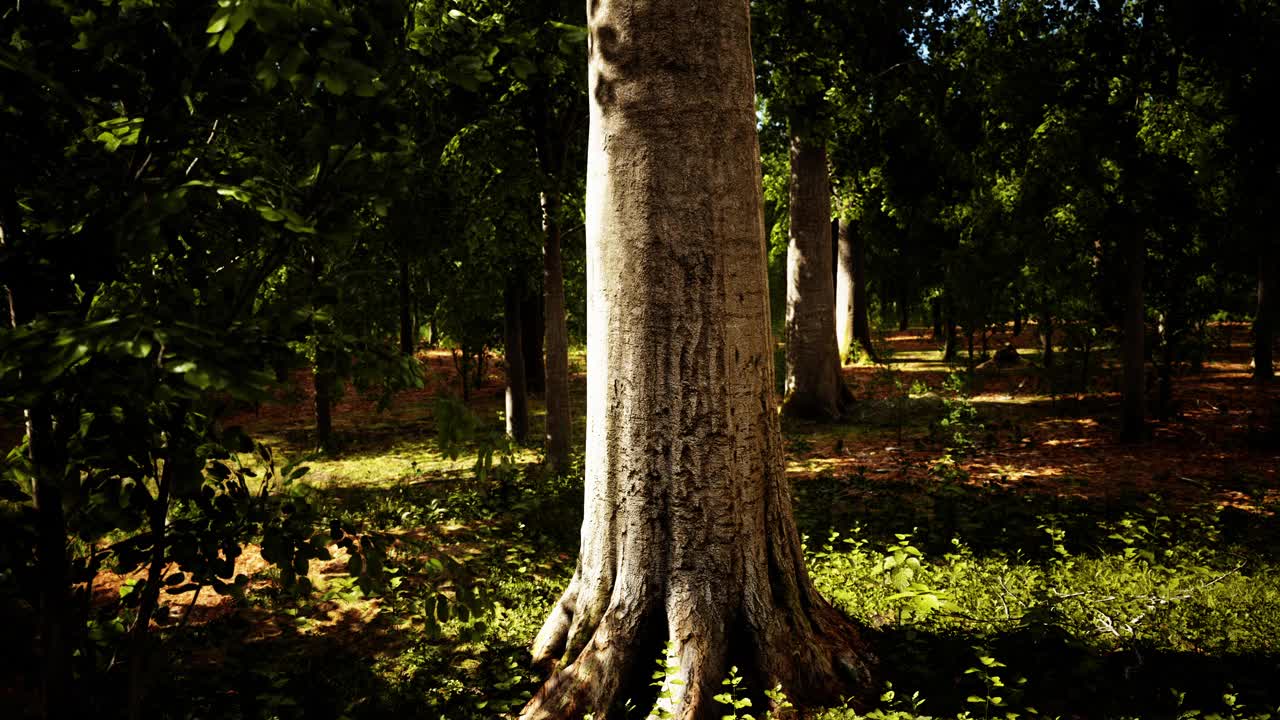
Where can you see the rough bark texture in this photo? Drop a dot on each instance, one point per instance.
(1133, 385)
(814, 387)
(556, 339)
(517, 392)
(1264, 320)
(688, 534)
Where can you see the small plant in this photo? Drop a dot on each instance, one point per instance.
(997, 694)
(732, 697)
(669, 686)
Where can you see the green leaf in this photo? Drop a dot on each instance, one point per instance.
(219, 22)
(523, 67)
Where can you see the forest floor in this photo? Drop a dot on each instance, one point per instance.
(1096, 579)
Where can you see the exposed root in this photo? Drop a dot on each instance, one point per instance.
(591, 683)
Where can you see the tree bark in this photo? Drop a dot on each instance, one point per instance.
(1133, 385)
(531, 321)
(688, 534)
(556, 339)
(517, 393)
(23, 299)
(861, 308)
(935, 312)
(323, 380)
(815, 389)
(407, 337)
(852, 323)
(950, 343)
(844, 291)
(1264, 320)
(1044, 327)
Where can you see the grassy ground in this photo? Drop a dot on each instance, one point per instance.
(1006, 555)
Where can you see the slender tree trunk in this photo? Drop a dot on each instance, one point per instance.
(517, 393)
(814, 387)
(1017, 323)
(323, 379)
(861, 309)
(1264, 320)
(950, 343)
(1164, 373)
(531, 321)
(1133, 385)
(53, 563)
(904, 312)
(408, 340)
(935, 312)
(688, 535)
(1044, 326)
(557, 340)
(844, 291)
(45, 453)
(158, 521)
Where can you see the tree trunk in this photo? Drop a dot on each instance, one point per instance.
(517, 393)
(53, 563)
(1044, 326)
(844, 291)
(531, 321)
(1133, 385)
(814, 388)
(688, 535)
(1164, 373)
(935, 312)
(904, 312)
(1264, 320)
(950, 343)
(323, 380)
(557, 339)
(861, 309)
(408, 340)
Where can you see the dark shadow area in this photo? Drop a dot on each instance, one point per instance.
(1009, 522)
(1066, 679)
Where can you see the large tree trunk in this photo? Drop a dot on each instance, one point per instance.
(688, 535)
(1133, 385)
(556, 339)
(517, 393)
(1264, 320)
(531, 321)
(814, 388)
